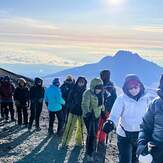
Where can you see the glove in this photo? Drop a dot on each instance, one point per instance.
(88, 115)
(108, 126)
(17, 103)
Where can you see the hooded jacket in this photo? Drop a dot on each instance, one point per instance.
(21, 95)
(152, 125)
(75, 98)
(90, 100)
(127, 111)
(54, 98)
(37, 93)
(6, 91)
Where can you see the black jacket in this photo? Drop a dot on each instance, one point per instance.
(37, 94)
(75, 98)
(110, 96)
(22, 95)
(65, 89)
(152, 125)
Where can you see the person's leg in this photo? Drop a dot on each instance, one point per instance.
(60, 123)
(2, 110)
(6, 111)
(25, 115)
(38, 113)
(19, 111)
(32, 116)
(11, 109)
(51, 121)
(79, 131)
(69, 129)
(125, 150)
(90, 136)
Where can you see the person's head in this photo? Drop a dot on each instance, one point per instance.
(105, 76)
(81, 82)
(56, 82)
(6, 79)
(132, 85)
(22, 82)
(69, 79)
(38, 82)
(161, 83)
(96, 86)
(1, 79)
(98, 89)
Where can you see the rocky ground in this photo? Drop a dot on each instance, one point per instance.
(20, 146)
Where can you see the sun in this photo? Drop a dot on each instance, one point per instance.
(115, 2)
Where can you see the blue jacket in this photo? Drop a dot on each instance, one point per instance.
(54, 98)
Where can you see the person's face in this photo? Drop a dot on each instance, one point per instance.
(22, 84)
(81, 83)
(98, 91)
(134, 90)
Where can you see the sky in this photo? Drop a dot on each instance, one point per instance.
(75, 32)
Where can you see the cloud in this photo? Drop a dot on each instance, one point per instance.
(26, 40)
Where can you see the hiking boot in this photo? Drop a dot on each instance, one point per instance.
(50, 133)
(89, 158)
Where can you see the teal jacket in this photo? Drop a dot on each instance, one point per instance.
(54, 98)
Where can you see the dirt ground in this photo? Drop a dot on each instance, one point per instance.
(20, 146)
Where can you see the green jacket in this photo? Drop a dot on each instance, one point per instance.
(90, 100)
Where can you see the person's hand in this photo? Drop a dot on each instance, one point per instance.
(46, 103)
(40, 100)
(88, 115)
(150, 145)
(108, 126)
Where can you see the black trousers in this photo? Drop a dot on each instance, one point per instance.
(6, 108)
(127, 149)
(92, 127)
(22, 111)
(36, 109)
(52, 118)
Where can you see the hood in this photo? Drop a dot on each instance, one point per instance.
(132, 77)
(94, 83)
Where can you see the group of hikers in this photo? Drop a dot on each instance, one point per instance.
(137, 119)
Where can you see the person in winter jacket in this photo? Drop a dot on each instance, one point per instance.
(36, 99)
(2, 112)
(151, 134)
(66, 87)
(7, 90)
(126, 114)
(54, 102)
(109, 99)
(92, 106)
(75, 113)
(21, 97)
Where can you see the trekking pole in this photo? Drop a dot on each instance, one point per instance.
(82, 130)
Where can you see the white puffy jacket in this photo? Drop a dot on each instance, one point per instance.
(128, 113)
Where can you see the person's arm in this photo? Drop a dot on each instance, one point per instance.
(117, 110)
(62, 101)
(146, 129)
(86, 103)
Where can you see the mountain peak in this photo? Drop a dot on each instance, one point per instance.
(124, 54)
